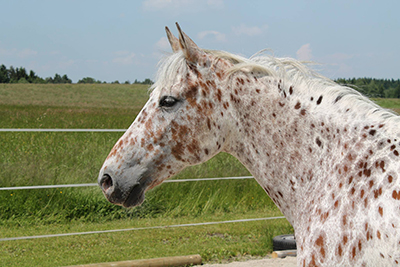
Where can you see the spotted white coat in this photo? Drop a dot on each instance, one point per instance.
(327, 156)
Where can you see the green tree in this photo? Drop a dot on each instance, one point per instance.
(23, 80)
(4, 74)
(57, 78)
(12, 75)
(380, 91)
(65, 79)
(21, 73)
(32, 76)
(49, 80)
(88, 80)
(397, 92)
(147, 81)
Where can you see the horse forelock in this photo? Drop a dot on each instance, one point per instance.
(291, 71)
(168, 69)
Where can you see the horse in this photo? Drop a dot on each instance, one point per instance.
(325, 154)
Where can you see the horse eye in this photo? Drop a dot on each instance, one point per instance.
(168, 101)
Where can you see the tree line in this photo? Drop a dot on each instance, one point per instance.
(21, 75)
(383, 88)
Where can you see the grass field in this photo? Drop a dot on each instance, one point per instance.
(62, 158)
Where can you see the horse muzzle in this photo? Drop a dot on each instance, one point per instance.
(127, 195)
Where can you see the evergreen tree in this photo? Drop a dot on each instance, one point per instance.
(4, 74)
(147, 81)
(32, 76)
(381, 91)
(57, 78)
(88, 80)
(49, 80)
(397, 92)
(65, 79)
(12, 75)
(21, 73)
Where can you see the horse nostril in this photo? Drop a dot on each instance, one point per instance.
(106, 182)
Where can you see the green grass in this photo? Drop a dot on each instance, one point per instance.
(75, 95)
(214, 243)
(390, 103)
(70, 106)
(63, 158)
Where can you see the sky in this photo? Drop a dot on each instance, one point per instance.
(124, 40)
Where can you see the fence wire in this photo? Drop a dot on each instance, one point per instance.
(139, 228)
(62, 130)
(95, 184)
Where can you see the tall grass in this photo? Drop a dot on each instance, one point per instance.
(62, 158)
(37, 158)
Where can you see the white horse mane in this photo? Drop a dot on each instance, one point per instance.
(289, 70)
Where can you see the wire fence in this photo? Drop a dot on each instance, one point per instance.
(62, 130)
(95, 184)
(139, 228)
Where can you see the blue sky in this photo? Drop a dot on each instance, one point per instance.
(124, 40)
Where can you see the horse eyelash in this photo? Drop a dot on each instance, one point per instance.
(162, 104)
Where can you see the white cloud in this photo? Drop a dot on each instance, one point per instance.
(124, 57)
(163, 44)
(304, 53)
(220, 37)
(339, 64)
(339, 57)
(162, 4)
(26, 53)
(249, 30)
(66, 64)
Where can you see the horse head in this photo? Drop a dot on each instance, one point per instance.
(182, 124)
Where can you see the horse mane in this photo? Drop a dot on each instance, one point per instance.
(290, 71)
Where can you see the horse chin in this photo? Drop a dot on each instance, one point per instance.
(135, 197)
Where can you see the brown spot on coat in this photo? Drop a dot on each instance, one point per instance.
(380, 210)
(319, 100)
(396, 195)
(377, 192)
(345, 239)
(219, 95)
(320, 243)
(372, 132)
(319, 143)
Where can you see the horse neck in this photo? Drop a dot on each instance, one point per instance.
(288, 137)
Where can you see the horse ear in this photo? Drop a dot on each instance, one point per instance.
(191, 51)
(173, 41)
